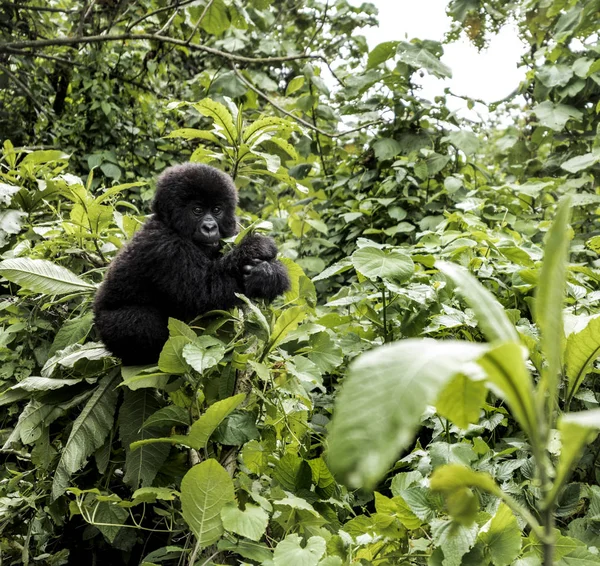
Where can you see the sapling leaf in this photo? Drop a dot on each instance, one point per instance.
(581, 350)
(381, 401)
(510, 380)
(576, 430)
(549, 297)
(490, 314)
(205, 489)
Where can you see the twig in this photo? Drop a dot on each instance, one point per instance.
(33, 44)
(297, 118)
(207, 7)
(23, 87)
(36, 8)
(160, 10)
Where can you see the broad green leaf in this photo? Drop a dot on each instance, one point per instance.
(44, 383)
(268, 125)
(72, 332)
(108, 517)
(510, 380)
(43, 276)
(44, 156)
(555, 116)
(223, 120)
(140, 377)
(453, 477)
(287, 321)
(32, 420)
(386, 148)
(581, 162)
(215, 20)
(454, 539)
(203, 428)
(582, 349)
(397, 508)
(461, 400)
(421, 58)
(550, 296)
(555, 75)
(72, 354)
(381, 401)
(171, 358)
(295, 84)
(466, 141)
(88, 433)
(250, 523)
(291, 550)
(502, 538)
(169, 416)
(205, 489)
(381, 53)
(203, 353)
(141, 466)
(576, 430)
(388, 264)
(335, 269)
(489, 312)
(193, 134)
(179, 328)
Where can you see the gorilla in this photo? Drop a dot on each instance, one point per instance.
(173, 266)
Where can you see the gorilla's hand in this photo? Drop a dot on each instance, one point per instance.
(256, 248)
(265, 279)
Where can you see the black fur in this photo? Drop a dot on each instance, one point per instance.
(173, 266)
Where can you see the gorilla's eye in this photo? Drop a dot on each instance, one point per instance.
(198, 210)
(216, 210)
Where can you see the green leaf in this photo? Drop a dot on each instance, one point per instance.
(555, 116)
(386, 148)
(295, 84)
(88, 433)
(555, 75)
(582, 349)
(223, 120)
(205, 489)
(44, 156)
(454, 539)
(461, 400)
(421, 58)
(202, 429)
(467, 142)
(388, 264)
(454, 477)
(581, 162)
(141, 466)
(72, 332)
(576, 430)
(489, 312)
(287, 321)
(193, 134)
(72, 354)
(43, 276)
(291, 551)
(250, 523)
(216, 20)
(203, 353)
(381, 53)
(379, 406)
(168, 417)
(44, 383)
(550, 295)
(503, 537)
(171, 358)
(510, 380)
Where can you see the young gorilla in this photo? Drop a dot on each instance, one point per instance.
(173, 267)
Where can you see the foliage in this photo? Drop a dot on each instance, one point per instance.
(425, 393)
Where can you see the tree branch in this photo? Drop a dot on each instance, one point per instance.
(297, 118)
(160, 10)
(36, 8)
(204, 12)
(57, 41)
(22, 86)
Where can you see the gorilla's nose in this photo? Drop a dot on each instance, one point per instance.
(209, 228)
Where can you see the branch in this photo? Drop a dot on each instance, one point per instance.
(204, 12)
(33, 44)
(23, 87)
(164, 9)
(297, 118)
(36, 8)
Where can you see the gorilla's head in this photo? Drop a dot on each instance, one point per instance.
(198, 202)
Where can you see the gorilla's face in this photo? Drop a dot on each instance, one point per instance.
(207, 220)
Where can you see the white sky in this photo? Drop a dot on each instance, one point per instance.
(490, 75)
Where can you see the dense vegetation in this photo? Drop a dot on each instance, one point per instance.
(425, 393)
